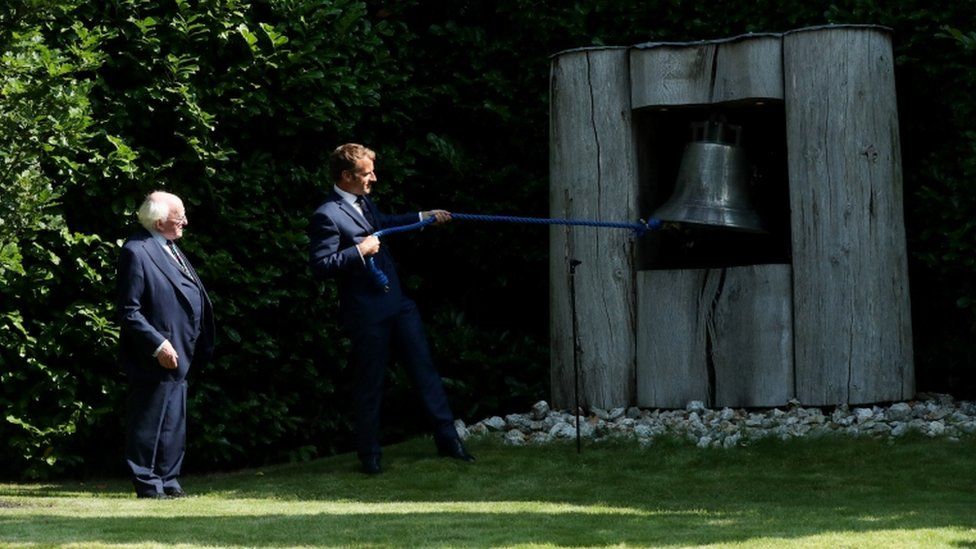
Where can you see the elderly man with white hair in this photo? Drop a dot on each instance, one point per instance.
(166, 327)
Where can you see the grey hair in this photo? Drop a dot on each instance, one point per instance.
(153, 209)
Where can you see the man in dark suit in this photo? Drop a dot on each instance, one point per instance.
(377, 320)
(166, 327)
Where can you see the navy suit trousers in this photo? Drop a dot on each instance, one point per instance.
(156, 434)
(371, 345)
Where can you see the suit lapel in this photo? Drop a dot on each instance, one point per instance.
(167, 265)
(353, 214)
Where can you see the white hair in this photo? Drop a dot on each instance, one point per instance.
(155, 208)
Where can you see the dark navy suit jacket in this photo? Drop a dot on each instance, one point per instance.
(335, 229)
(156, 301)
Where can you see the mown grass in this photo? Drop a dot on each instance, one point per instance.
(833, 492)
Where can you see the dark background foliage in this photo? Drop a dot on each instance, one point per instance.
(234, 105)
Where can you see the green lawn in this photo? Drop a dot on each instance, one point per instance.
(814, 493)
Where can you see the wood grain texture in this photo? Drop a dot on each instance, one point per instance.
(671, 365)
(750, 336)
(592, 176)
(707, 72)
(721, 336)
(851, 306)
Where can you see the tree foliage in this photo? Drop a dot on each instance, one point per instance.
(54, 308)
(234, 105)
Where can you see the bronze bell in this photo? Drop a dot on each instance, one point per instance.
(712, 185)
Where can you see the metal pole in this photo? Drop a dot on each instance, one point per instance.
(573, 263)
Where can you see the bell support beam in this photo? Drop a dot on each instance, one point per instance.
(674, 74)
(852, 310)
(593, 176)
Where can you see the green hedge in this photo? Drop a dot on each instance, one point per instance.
(234, 106)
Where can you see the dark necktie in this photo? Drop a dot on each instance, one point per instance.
(179, 258)
(368, 215)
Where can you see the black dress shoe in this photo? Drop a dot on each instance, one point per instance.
(454, 449)
(179, 493)
(152, 495)
(371, 465)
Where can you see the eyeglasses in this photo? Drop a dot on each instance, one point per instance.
(179, 220)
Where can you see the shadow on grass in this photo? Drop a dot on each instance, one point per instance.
(671, 493)
(463, 529)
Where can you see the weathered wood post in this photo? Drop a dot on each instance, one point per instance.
(851, 305)
(592, 173)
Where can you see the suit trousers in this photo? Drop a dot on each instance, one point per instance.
(403, 333)
(156, 435)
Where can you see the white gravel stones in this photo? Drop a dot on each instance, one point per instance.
(540, 410)
(900, 411)
(494, 423)
(932, 415)
(515, 437)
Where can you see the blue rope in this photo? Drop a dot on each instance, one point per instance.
(404, 228)
(639, 229)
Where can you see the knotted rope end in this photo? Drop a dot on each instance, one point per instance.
(645, 227)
